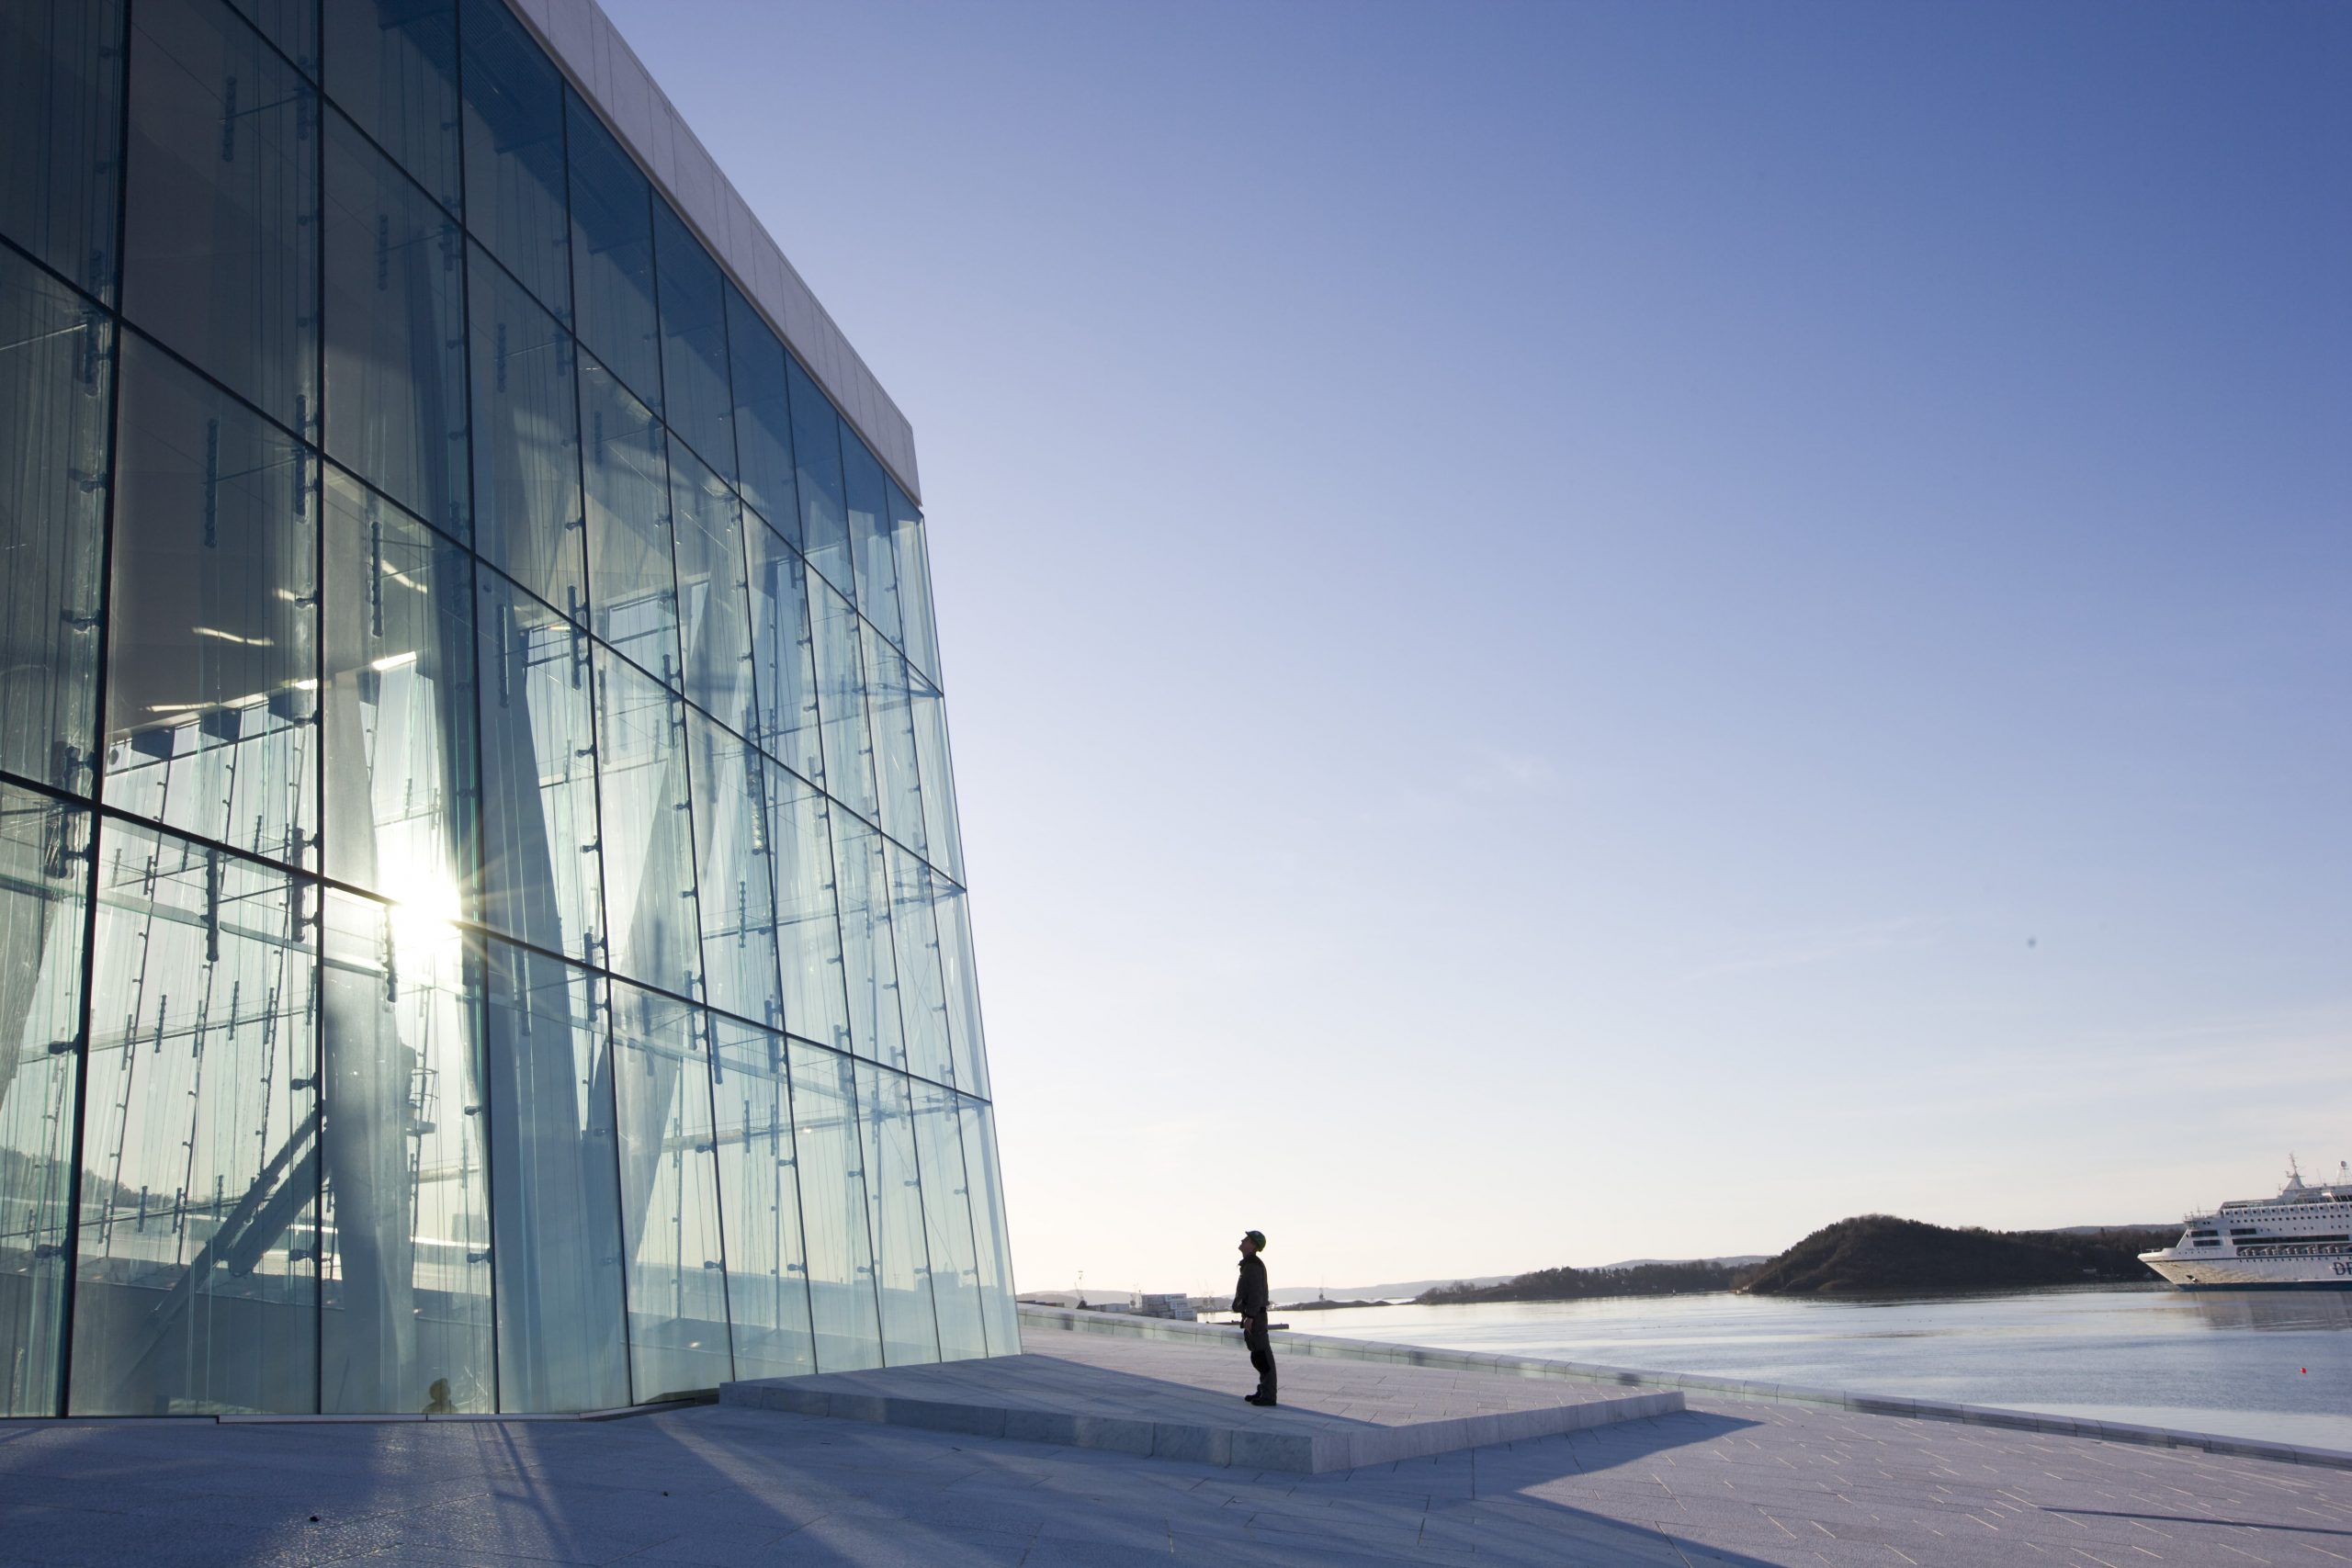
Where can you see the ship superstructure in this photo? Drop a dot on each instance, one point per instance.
(2303, 1237)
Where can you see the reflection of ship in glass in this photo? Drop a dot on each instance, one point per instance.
(2303, 1237)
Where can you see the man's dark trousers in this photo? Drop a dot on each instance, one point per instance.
(1262, 1354)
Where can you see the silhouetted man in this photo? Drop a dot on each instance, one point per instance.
(1249, 1301)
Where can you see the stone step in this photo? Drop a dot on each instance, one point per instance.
(1181, 1403)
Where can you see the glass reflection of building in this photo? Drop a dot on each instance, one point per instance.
(481, 918)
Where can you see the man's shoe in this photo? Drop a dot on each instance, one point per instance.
(1259, 1398)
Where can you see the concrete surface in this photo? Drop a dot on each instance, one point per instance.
(1180, 1401)
(1727, 1482)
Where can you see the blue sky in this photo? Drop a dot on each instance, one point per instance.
(1587, 630)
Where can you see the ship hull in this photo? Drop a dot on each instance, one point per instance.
(2253, 1273)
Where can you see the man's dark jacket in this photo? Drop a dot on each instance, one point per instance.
(1250, 1296)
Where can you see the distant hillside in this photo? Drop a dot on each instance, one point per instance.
(1736, 1260)
(1393, 1290)
(1878, 1252)
(1577, 1284)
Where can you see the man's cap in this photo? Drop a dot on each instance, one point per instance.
(1255, 1239)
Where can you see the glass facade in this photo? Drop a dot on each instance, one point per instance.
(481, 911)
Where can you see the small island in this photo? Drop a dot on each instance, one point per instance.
(1325, 1303)
(1878, 1253)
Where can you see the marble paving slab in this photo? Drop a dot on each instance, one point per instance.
(1184, 1402)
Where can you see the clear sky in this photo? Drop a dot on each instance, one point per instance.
(1590, 630)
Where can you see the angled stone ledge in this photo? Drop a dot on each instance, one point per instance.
(1176, 1399)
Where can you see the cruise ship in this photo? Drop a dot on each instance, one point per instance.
(2303, 1237)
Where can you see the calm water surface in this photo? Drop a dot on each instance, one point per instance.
(2260, 1364)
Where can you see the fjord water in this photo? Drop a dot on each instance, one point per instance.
(2274, 1364)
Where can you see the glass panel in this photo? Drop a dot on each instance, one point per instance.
(555, 1187)
(782, 655)
(714, 608)
(1001, 1318)
(840, 700)
(817, 468)
(212, 685)
(220, 253)
(952, 922)
(891, 711)
(833, 1208)
(894, 1191)
(920, 641)
(396, 333)
(693, 343)
(399, 704)
(56, 362)
(405, 1322)
(947, 1220)
(196, 1281)
(527, 441)
(612, 253)
(767, 1286)
(677, 1291)
(633, 584)
(649, 830)
(923, 1002)
(870, 541)
(738, 959)
(542, 873)
(869, 964)
(392, 66)
(291, 25)
(944, 840)
(809, 933)
(61, 119)
(515, 185)
(762, 416)
(44, 846)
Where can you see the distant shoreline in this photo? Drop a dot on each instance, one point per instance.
(1320, 1304)
(1868, 1256)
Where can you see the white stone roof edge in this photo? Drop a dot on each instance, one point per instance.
(589, 48)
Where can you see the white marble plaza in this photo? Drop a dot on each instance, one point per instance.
(1725, 1481)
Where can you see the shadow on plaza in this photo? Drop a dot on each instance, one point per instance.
(855, 1495)
(739, 1486)
(1500, 1516)
(911, 1495)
